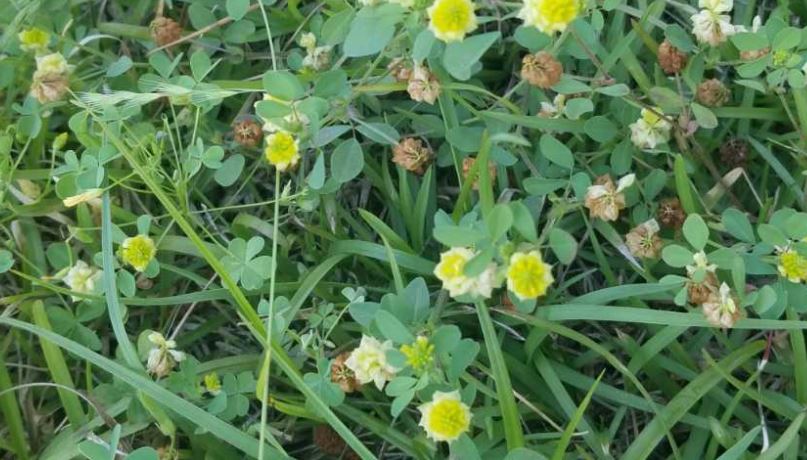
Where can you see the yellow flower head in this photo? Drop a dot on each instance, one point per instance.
(450, 270)
(446, 417)
(138, 251)
(419, 355)
(549, 16)
(212, 383)
(793, 266)
(282, 150)
(528, 276)
(53, 63)
(34, 39)
(450, 20)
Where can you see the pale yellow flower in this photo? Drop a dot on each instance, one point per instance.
(712, 24)
(163, 356)
(52, 63)
(445, 417)
(34, 39)
(700, 262)
(451, 20)
(528, 276)
(282, 150)
(138, 251)
(721, 309)
(81, 278)
(369, 362)
(792, 266)
(451, 271)
(650, 130)
(549, 16)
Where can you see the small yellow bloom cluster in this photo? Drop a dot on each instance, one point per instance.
(528, 276)
(212, 383)
(282, 150)
(369, 362)
(451, 20)
(451, 271)
(419, 355)
(549, 16)
(34, 39)
(445, 417)
(138, 251)
(793, 266)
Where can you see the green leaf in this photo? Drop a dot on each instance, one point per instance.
(676, 256)
(679, 38)
(543, 186)
(523, 221)
(236, 9)
(786, 39)
(200, 65)
(451, 235)
(119, 67)
(499, 221)
(563, 245)
(696, 232)
(371, 29)
(600, 128)
(230, 170)
(772, 235)
(347, 161)
(459, 58)
(283, 85)
(705, 117)
(6, 260)
(556, 152)
(577, 107)
(737, 225)
(392, 328)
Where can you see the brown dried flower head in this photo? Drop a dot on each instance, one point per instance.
(342, 375)
(541, 69)
(400, 69)
(722, 309)
(165, 30)
(329, 442)
(468, 163)
(734, 152)
(643, 240)
(49, 86)
(712, 93)
(670, 213)
(605, 199)
(412, 155)
(423, 85)
(754, 54)
(248, 133)
(671, 59)
(698, 293)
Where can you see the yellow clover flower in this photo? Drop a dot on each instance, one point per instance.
(212, 383)
(793, 266)
(549, 16)
(446, 417)
(282, 150)
(528, 276)
(34, 39)
(53, 63)
(369, 362)
(138, 251)
(450, 20)
(419, 355)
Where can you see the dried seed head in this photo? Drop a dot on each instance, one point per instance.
(329, 442)
(49, 86)
(468, 163)
(400, 69)
(643, 240)
(248, 133)
(712, 93)
(699, 293)
(671, 59)
(412, 155)
(754, 54)
(165, 30)
(734, 152)
(671, 214)
(342, 375)
(541, 69)
(423, 85)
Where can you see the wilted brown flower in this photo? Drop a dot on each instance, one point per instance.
(248, 133)
(754, 54)
(671, 214)
(722, 309)
(412, 155)
(400, 69)
(423, 85)
(671, 59)
(698, 293)
(468, 163)
(541, 69)
(605, 199)
(734, 152)
(643, 240)
(49, 86)
(165, 30)
(342, 375)
(712, 93)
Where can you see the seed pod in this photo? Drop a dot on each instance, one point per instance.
(165, 30)
(671, 59)
(247, 133)
(734, 152)
(412, 155)
(541, 69)
(712, 93)
(671, 214)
